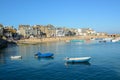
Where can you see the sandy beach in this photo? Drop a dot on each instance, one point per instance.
(53, 39)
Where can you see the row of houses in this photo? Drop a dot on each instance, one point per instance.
(40, 31)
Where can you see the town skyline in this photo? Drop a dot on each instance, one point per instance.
(103, 15)
(31, 26)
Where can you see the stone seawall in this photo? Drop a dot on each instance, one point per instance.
(53, 39)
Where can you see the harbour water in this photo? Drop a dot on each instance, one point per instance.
(104, 64)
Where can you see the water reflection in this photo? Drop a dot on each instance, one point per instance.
(44, 58)
(69, 63)
(2, 60)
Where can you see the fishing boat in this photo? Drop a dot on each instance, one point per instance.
(16, 57)
(78, 60)
(39, 54)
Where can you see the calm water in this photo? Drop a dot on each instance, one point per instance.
(103, 65)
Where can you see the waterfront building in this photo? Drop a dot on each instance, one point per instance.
(38, 31)
(85, 31)
(50, 30)
(65, 31)
(101, 34)
(24, 30)
(41, 31)
(60, 32)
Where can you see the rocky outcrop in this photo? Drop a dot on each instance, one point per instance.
(3, 43)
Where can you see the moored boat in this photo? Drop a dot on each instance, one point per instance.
(115, 40)
(39, 54)
(77, 60)
(108, 39)
(16, 57)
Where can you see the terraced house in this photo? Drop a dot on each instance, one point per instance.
(24, 30)
(38, 31)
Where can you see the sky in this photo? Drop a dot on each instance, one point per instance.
(100, 15)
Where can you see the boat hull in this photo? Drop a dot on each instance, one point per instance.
(78, 60)
(115, 40)
(16, 57)
(44, 55)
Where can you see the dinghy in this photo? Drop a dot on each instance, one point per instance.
(44, 54)
(78, 60)
(115, 40)
(16, 57)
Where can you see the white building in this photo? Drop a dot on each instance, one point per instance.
(85, 31)
(60, 33)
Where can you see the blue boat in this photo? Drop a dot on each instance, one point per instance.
(39, 54)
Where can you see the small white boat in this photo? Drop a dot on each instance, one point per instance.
(108, 39)
(77, 60)
(16, 57)
(115, 40)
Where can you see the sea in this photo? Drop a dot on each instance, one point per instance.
(104, 63)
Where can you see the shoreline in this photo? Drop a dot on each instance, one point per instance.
(54, 39)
